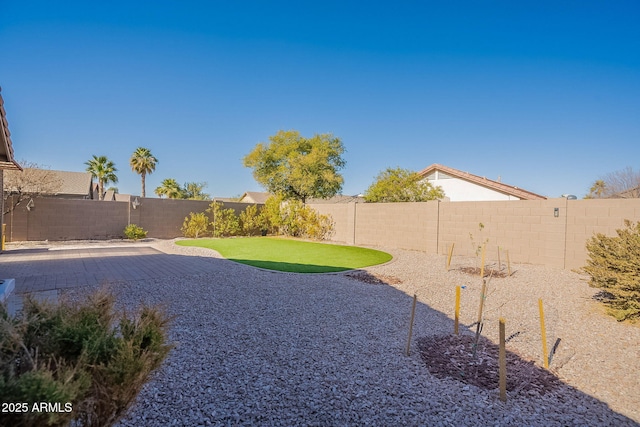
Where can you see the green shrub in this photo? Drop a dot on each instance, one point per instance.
(225, 221)
(85, 357)
(614, 266)
(195, 224)
(271, 216)
(299, 220)
(134, 232)
(250, 221)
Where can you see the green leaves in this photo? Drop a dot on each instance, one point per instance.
(169, 188)
(195, 224)
(86, 356)
(614, 266)
(297, 167)
(401, 185)
(104, 170)
(143, 162)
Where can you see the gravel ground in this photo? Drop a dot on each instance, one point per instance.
(255, 347)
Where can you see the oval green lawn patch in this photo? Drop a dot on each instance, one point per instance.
(292, 255)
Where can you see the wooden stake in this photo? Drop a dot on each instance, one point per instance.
(499, 263)
(413, 312)
(482, 293)
(482, 266)
(457, 316)
(508, 264)
(545, 358)
(479, 324)
(502, 361)
(450, 255)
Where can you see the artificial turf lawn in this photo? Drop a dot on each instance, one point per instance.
(292, 255)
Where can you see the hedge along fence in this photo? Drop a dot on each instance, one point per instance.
(533, 231)
(63, 219)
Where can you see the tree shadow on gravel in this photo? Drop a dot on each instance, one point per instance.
(452, 356)
(488, 272)
(373, 278)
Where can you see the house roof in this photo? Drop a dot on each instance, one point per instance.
(338, 198)
(6, 149)
(631, 193)
(483, 181)
(66, 183)
(74, 183)
(254, 197)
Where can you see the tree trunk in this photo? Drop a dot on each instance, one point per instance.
(143, 175)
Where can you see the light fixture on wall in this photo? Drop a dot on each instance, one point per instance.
(135, 203)
(30, 205)
(556, 212)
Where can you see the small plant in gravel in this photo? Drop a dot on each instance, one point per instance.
(86, 360)
(614, 267)
(134, 232)
(477, 246)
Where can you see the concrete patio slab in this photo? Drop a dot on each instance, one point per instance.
(40, 269)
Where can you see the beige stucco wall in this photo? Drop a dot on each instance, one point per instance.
(527, 229)
(401, 225)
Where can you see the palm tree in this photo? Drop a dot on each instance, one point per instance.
(598, 190)
(102, 169)
(143, 162)
(170, 188)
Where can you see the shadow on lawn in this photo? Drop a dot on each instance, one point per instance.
(291, 267)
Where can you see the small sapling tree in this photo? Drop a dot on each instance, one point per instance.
(477, 246)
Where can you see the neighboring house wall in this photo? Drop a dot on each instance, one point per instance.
(459, 190)
(528, 229)
(462, 186)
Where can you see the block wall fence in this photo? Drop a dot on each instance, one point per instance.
(59, 219)
(532, 231)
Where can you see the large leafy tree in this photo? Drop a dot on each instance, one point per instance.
(104, 170)
(143, 162)
(401, 185)
(169, 188)
(297, 167)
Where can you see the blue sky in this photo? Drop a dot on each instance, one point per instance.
(545, 94)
